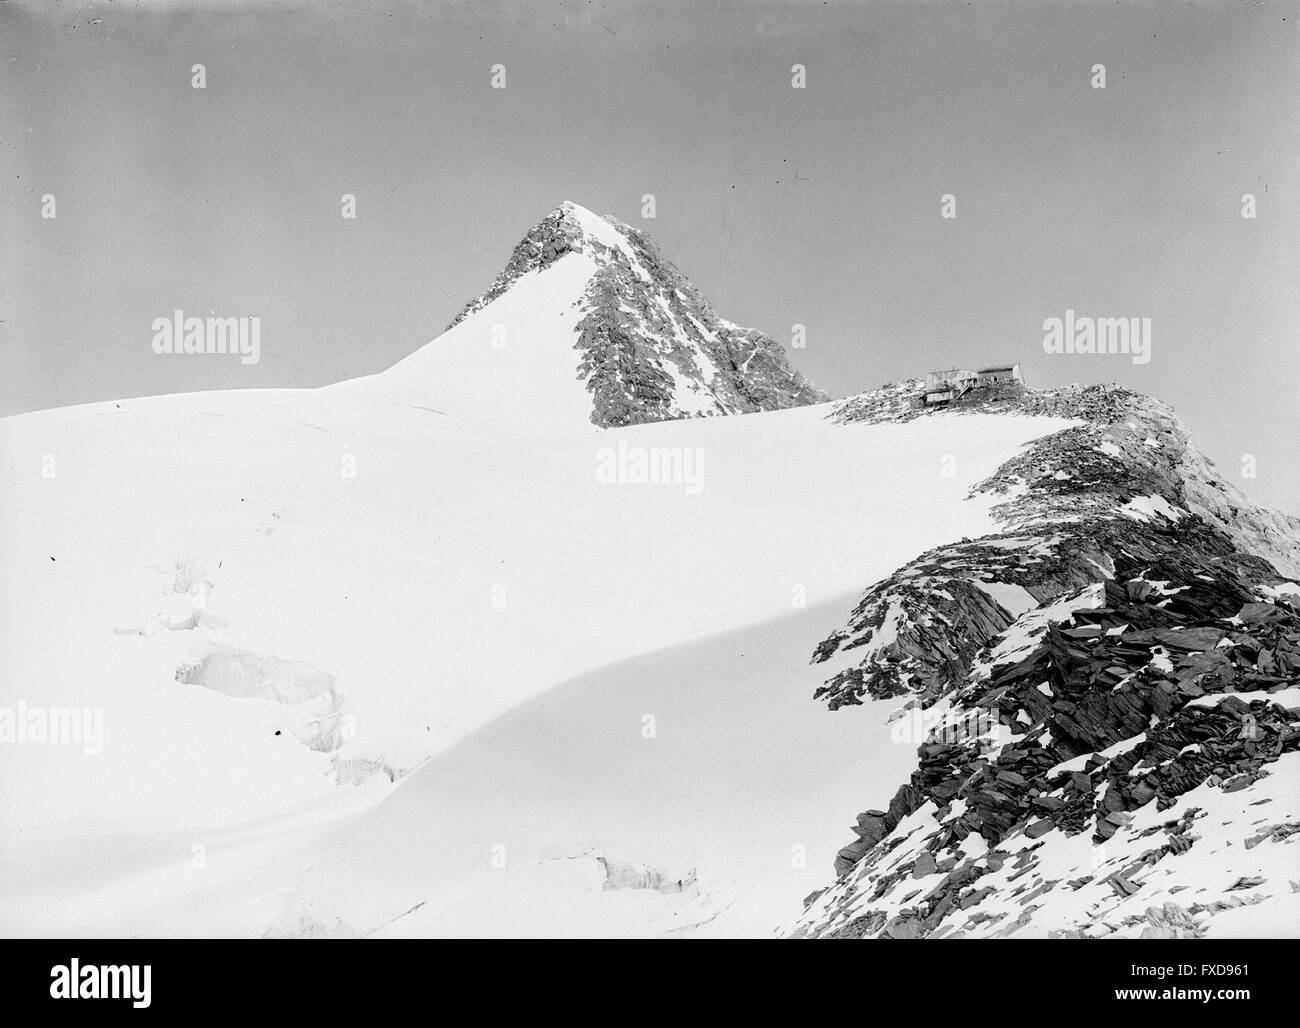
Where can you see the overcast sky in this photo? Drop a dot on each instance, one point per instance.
(817, 206)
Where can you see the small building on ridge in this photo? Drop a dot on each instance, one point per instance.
(943, 387)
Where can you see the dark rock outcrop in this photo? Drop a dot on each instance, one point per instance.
(1149, 668)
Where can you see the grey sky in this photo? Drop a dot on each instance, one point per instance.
(818, 206)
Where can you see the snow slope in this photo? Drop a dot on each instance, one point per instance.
(743, 781)
(510, 371)
(443, 585)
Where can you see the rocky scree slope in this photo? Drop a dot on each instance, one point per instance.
(650, 346)
(1102, 695)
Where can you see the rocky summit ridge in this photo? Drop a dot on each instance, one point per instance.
(649, 346)
(1103, 696)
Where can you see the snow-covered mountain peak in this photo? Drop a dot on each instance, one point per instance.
(568, 229)
(622, 321)
(604, 238)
